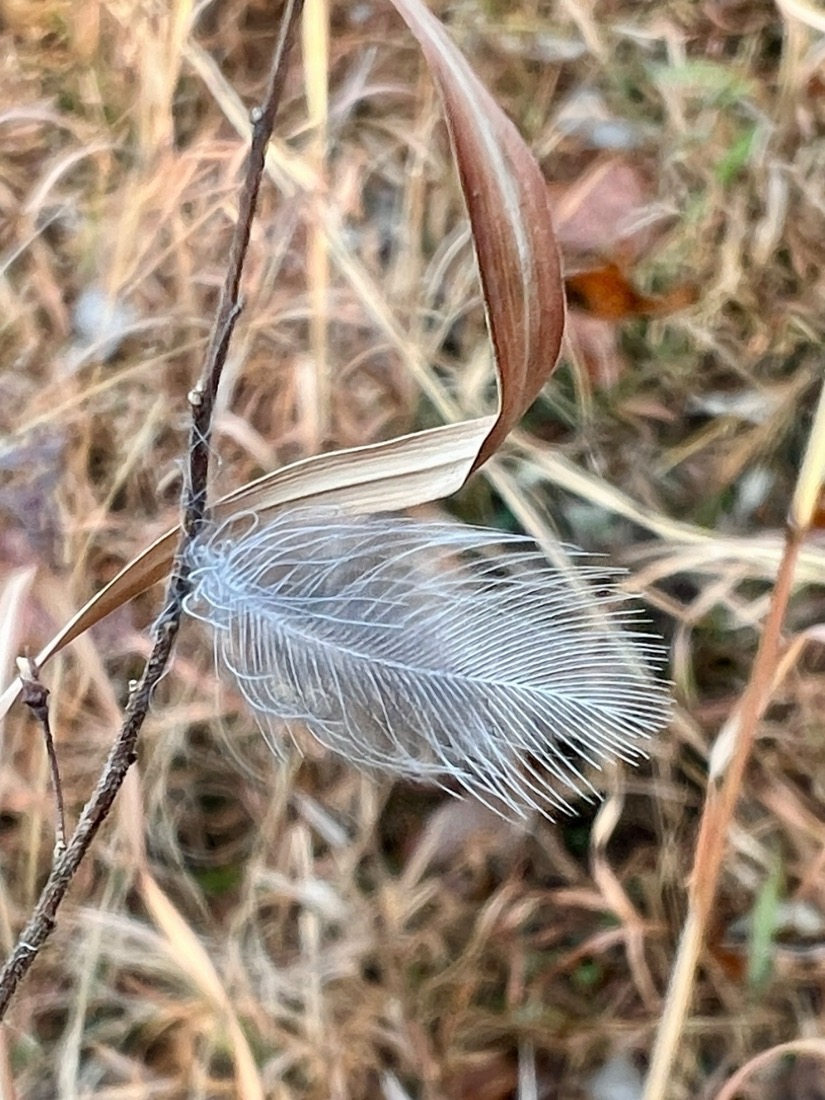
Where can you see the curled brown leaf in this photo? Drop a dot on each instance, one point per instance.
(518, 259)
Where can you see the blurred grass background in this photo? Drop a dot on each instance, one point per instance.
(246, 930)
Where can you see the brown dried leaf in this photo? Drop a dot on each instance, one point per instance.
(509, 209)
(605, 221)
(606, 292)
(520, 272)
(606, 211)
(593, 345)
(191, 956)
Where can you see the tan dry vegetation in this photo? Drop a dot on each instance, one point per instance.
(243, 930)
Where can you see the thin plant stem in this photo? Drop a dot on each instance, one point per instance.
(720, 803)
(36, 697)
(728, 766)
(202, 400)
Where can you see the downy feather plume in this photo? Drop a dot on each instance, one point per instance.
(432, 651)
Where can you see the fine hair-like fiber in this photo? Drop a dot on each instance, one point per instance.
(432, 651)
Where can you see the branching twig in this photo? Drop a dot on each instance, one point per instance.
(36, 696)
(202, 400)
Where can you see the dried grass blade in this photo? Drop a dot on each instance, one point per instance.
(194, 961)
(810, 15)
(806, 505)
(315, 48)
(12, 599)
(379, 477)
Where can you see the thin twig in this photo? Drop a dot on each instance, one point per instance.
(202, 399)
(36, 697)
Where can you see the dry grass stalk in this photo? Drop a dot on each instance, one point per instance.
(729, 760)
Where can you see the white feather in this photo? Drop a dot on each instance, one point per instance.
(430, 650)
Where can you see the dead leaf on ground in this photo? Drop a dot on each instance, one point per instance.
(606, 292)
(606, 221)
(608, 211)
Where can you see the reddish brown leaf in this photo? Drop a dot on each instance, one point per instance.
(606, 292)
(607, 211)
(593, 345)
(509, 210)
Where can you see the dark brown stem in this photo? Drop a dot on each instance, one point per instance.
(202, 399)
(36, 697)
